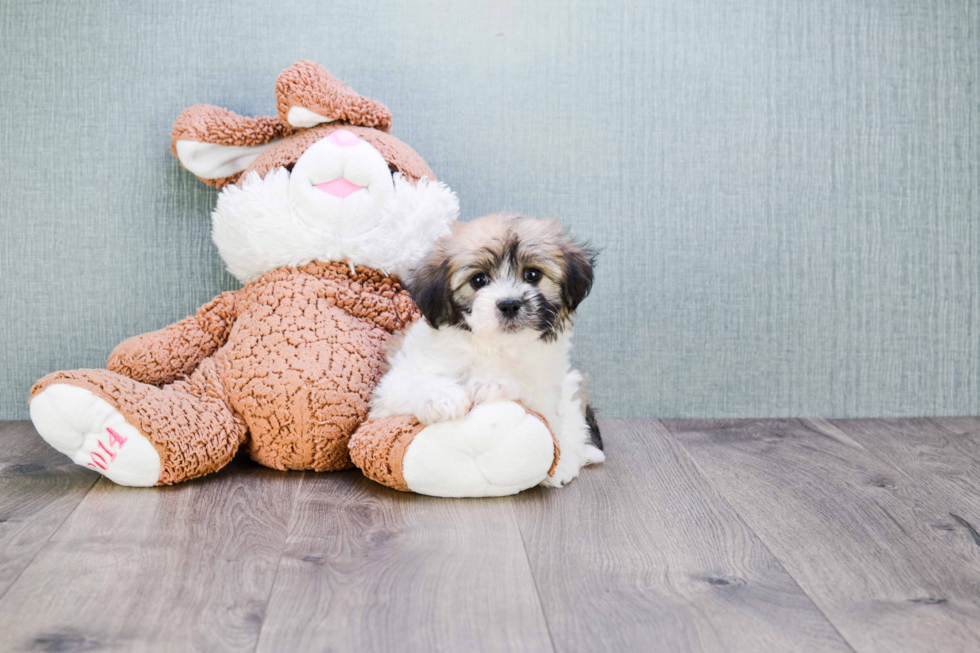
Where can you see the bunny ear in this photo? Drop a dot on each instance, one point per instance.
(217, 145)
(307, 95)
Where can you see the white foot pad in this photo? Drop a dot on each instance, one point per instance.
(92, 433)
(496, 450)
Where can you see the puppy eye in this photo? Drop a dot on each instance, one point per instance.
(479, 281)
(532, 275)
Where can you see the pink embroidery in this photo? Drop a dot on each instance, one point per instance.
(112, 456)
(116, 441)
(115, 437)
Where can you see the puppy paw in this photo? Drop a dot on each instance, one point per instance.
(444, 405)
(485, 390)
(571, 463)
(565, 472)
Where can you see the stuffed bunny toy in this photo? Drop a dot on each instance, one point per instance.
(321, 212)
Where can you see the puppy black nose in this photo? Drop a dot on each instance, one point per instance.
(509, 307)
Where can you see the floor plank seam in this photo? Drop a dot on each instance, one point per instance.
(534, 580)
(735, 511)
(282, 552)
(809, 424)
(910, 478)
(812, 425)
(54, 532)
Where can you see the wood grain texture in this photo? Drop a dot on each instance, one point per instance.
(939, 455)
(643, 554)
(942, 455)
(773, 535)
(183, 568)
(870, 544)
(39, 488)
(369, 569)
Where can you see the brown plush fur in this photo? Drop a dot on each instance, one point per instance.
(210, 124)
(378, 448)
(189, 422)
(309, 85)
(287, 364)
(286, 152)
(162, 357)
(295, 373)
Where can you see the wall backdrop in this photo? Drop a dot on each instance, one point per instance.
(786, 193)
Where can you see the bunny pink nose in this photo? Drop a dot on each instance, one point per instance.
(344, 138)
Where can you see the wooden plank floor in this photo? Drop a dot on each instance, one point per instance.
(768, 535)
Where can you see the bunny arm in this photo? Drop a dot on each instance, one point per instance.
(163, 356)
(390, 308)
(360, 291)
(499, 448)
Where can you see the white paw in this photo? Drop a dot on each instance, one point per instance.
(571, 463)
(443, 405)
(497, 449)
(574, 436)
(94, 434)
(484, 390)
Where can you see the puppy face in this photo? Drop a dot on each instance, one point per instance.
(504, 274)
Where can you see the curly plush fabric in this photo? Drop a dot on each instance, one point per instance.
(166, 355)
(211, 124)
(308, 85)
(378, 448)
(190, 422)
(285, 153)
(303, 375)
(294, 358)
(285, 366)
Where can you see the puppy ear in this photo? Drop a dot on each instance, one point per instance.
(429, 287)
(577, 261)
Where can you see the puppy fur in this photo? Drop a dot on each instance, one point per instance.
(498, 296)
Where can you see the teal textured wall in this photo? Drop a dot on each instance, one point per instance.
(787, 194)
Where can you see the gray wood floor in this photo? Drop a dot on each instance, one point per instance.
(772, 535)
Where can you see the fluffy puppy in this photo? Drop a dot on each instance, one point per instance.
(498, 295)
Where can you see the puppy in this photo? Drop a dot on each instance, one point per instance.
(498, 296)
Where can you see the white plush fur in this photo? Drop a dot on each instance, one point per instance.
(359, 164)
(495, 450)
(439, 374)
(300, 117)
(76, 422)
(212, 161)
(257, 228)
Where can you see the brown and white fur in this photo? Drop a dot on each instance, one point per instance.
(498, 296)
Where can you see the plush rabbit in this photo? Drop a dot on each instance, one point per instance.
(321, 212)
